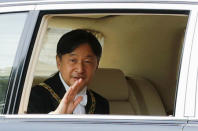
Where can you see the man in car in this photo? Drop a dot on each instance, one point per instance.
(78, 56)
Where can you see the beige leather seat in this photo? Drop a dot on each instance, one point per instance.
(135, 96)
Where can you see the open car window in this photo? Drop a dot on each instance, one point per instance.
(140, 64)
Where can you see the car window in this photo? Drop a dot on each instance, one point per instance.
(140, 60)
(11, 27)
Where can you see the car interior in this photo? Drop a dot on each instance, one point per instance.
(140, 63)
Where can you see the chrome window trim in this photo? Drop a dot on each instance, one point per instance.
(100, 119)
(191, 82)
(116, 6)
(16, 8)
(195, 63)
(27, 2)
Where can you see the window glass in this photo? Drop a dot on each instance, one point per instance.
(11, 27)
(139, 66)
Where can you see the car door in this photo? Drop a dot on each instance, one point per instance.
(31, 40)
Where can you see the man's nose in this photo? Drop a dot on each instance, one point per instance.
(80, 67)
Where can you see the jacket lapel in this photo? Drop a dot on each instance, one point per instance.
(87, 107)
(55, 83)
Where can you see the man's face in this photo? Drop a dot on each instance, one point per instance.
(81, 63)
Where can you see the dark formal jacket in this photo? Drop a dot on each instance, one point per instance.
(46, 97)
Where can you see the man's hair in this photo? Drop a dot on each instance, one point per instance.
(73, 39)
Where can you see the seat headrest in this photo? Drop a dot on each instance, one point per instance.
(110, 83)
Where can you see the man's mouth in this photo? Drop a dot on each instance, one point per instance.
(78, 77)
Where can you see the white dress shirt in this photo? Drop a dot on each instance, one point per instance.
(80, 108)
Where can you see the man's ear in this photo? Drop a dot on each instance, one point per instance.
(58, 62)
